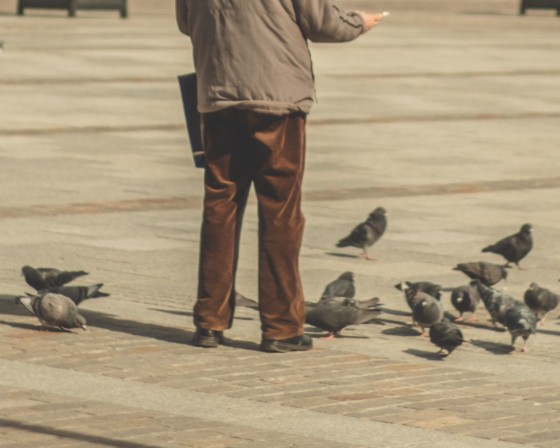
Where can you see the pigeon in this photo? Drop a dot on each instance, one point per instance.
(430, 288)
(521, 321)
(426, 309)
(366, 233)
(241, 300)
(343, 286)
(465, 299)
(374, 302)
(514, 247)
(540, 300)
(333, 316)
(54, 310)
(426, 312)
(488, 273)
(446, 335)
(45, 278)
(496, 303)
(80, 293)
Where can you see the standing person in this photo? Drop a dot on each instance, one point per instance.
(255, 88)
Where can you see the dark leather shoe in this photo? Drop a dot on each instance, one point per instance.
(297, 343)
(208, 338)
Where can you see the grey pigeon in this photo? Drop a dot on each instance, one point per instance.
(496, 303)
(343, 286)
(80, 293)
(366, 233)
(45, 278)
(411, 295)
(333, 316)
(430, 288)
(241, 300)
(446, 335)
(465, 298)
(488, 273)
(426, 309)
(426, 312)
(521, 321)
(54, 310)
(514, 247)
(368, 303)
(540, 300)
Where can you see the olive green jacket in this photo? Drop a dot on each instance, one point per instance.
(253, 53)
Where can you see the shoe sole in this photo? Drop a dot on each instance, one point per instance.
(284, 348)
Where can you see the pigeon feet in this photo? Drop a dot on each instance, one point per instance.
(329, 336)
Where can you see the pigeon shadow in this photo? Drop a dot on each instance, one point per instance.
(549, 332)
(189, 313)
(395, 312)
(403, 330)
(315, 332)
(430, 356)
(65, 435)
(493, 347)
(9, 306)
(480, 326)
(387, 321)
(37, 327)
(337, 254)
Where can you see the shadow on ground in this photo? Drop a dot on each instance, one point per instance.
(189, 313)
(65, 435)
(430, 356)
(402, 330)
(493, 347)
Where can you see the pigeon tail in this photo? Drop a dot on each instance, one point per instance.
(345, 242)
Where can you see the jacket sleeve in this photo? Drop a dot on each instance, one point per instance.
(322, 21)
(182, 15)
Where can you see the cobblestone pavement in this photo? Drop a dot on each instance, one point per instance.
(446, 115)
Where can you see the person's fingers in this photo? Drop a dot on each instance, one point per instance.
(370, 20)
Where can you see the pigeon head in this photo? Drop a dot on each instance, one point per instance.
(81, 321)
(526, 228)
(377, 211)
(347, 276)
(27, 270)
(402, 286)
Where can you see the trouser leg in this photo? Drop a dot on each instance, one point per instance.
(227, 182)
(281, 222)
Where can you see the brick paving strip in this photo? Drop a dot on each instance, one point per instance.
(108, 385)
(69, 401)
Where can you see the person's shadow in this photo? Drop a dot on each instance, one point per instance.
(97, 319)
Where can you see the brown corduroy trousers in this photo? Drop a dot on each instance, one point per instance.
(242, 148)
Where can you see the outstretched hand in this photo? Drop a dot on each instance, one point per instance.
(370, 20)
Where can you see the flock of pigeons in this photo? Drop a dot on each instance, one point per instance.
(337, 308)
(55, 303)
